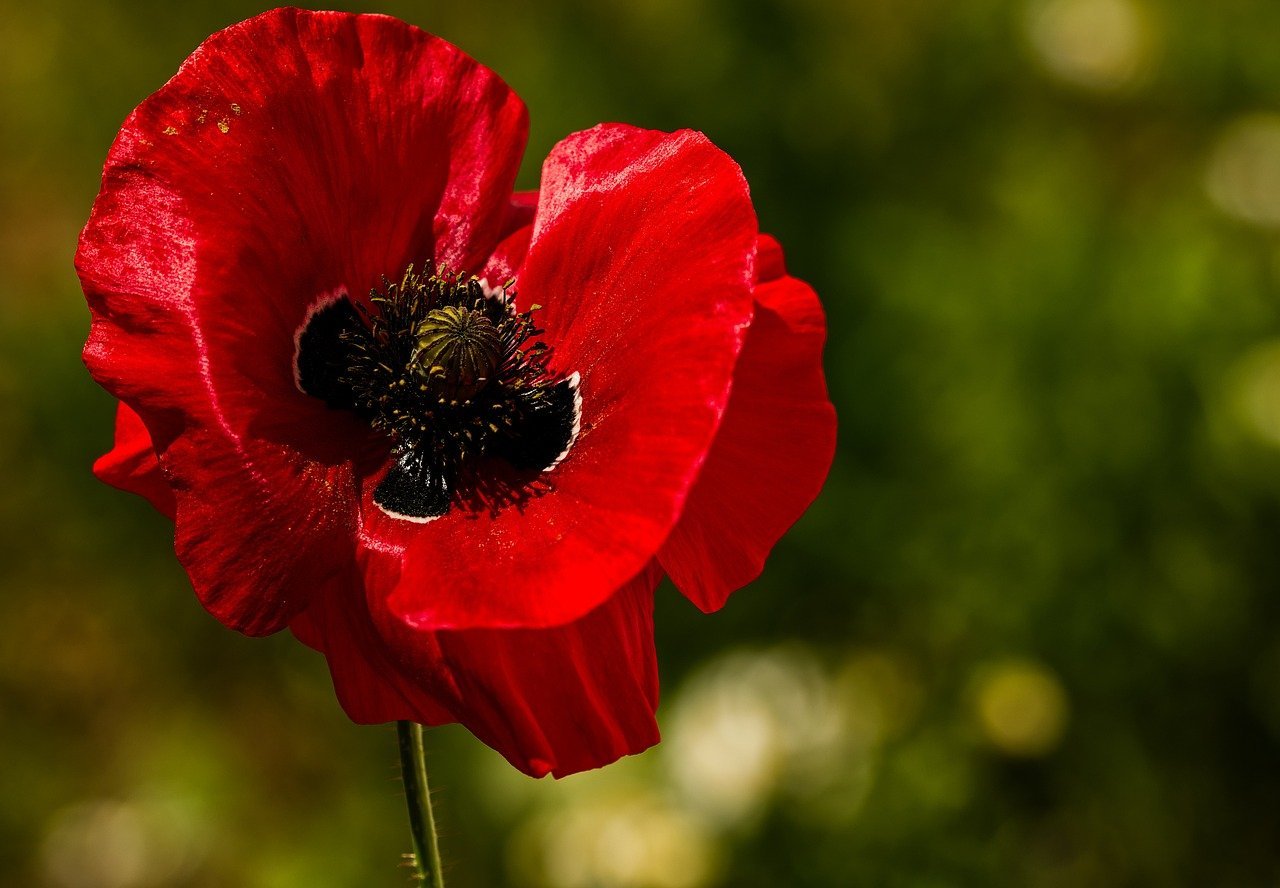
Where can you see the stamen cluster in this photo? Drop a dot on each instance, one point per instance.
(444, 365)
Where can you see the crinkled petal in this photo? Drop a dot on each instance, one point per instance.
(557, 700)
(131, 464)
(294, 155)
(773, 450)
(641, 254)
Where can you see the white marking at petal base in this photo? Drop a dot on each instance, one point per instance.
(416, 519)
(323, 301)
(575, 380)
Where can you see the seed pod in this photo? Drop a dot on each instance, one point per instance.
(457, 353)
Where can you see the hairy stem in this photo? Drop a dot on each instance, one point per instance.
(422, 823)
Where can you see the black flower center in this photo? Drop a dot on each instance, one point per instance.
(446, 368)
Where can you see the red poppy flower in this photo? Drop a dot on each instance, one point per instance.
(465, 501)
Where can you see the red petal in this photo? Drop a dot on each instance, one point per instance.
(292, 154)
(370, 686)
(556, 701)
(131, 464)
(523, 206)
(510, 252)
(642, 255)
(773, 449)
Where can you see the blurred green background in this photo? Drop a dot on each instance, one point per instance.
(1028, 636)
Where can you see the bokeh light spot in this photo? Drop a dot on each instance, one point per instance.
(746, 721)
(622, 840)
(109, 843)
(1255, 391)
(1243, 176)
(1022, 708)
(1102, 45)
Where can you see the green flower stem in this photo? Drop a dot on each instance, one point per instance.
(422, 823)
